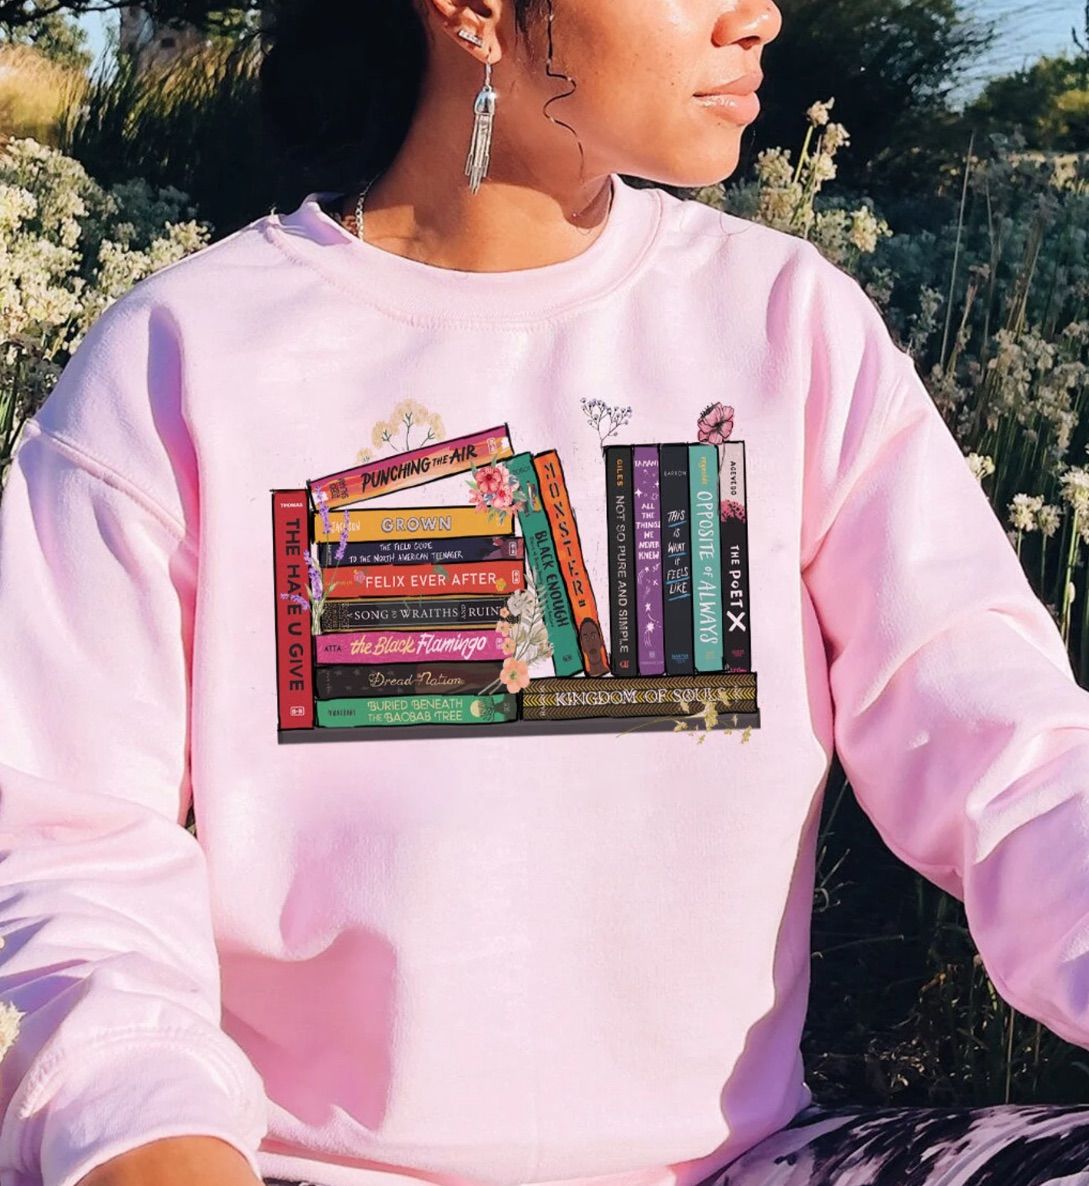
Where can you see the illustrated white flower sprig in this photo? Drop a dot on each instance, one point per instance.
(411, 425)
(605, 419)
(525, 640)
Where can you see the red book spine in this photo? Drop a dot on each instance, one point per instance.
(423, 580)
(294, 630)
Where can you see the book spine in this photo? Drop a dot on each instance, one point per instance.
(387, 580)
(294, 624)
(466, 550)
(576, 577)
(676, 560)
(671, 695)
(341, 681)
(417, 710)
(621, 551)
(648, 560)
(411, 523)
(440, 459)
(420, 611)
(409, 646)
(706, 557)
(737, 647)
(545, 566)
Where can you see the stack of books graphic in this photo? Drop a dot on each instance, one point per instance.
(394, 622)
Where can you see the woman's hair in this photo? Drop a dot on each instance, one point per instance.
(340, 82)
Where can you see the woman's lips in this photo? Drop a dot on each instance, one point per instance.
(742, 109)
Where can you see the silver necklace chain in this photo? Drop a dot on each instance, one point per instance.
(359, 207)
(363, 194)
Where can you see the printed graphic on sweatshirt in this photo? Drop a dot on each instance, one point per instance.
(473, 607)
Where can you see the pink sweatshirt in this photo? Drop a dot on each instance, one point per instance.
(514, 951)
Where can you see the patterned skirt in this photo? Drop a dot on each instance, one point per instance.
(1001, 1145)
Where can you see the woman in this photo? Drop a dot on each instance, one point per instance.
(492, 553)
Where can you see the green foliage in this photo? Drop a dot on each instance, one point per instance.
(1047, 101)
(69, 248)
(195, 127)
(52, 33)
(891, 64)
(17, 16)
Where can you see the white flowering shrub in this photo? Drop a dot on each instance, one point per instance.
(784, 194)
(68, 249)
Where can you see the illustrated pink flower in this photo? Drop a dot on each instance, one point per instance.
(731, 509)
(515, 674)
(509, 645)
(716, 422)
(492, 488)
(490, 479)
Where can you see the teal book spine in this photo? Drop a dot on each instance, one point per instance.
(706, 558)
(544, 563)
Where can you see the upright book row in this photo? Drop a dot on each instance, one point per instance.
(678, 558)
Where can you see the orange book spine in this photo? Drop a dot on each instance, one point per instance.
(576, 578)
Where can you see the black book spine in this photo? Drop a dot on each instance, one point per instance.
(385, 613)
(620, 520)
(466, 550)
(737, 632)
(676, 560)
(337, 681)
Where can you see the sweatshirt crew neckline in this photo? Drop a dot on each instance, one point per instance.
(421, 291)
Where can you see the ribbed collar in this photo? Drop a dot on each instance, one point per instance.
(424, 293)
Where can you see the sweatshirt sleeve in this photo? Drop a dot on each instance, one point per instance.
(956, 714)
(108, 964)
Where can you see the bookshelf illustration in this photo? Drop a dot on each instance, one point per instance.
(449, 619)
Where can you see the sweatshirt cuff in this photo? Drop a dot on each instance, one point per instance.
(112, 1098)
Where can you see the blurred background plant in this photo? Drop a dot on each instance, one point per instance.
(965, 219)
(68, 248)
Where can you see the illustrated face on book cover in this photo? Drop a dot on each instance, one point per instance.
(474, 605)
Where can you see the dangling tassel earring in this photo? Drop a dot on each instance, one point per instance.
(479, 156)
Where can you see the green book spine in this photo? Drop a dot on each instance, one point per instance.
(706, 557)
(543, 562)
(439, 709)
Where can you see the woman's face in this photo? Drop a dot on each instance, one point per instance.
(639, 67)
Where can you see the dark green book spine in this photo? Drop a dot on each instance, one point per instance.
(416, 710)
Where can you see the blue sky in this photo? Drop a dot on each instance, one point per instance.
(1025, 31)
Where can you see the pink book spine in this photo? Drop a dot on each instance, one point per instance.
(403, 646)
(440, 459)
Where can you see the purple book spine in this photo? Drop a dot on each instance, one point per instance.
(648, 560)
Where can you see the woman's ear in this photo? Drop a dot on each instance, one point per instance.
(479, 17)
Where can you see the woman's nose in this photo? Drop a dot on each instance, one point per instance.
(749, 23)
